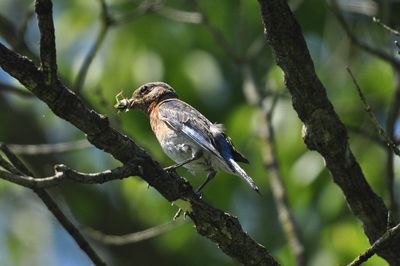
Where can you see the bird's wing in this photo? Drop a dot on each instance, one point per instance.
(186, 119)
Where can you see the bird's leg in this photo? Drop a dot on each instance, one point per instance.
(210, 176)
(177, 214)
(194, 157)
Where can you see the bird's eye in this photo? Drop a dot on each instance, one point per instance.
(145, 89)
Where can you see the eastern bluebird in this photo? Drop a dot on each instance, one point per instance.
(184, 134)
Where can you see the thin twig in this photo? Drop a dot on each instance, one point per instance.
(390, 129)
(11, 35)
(392, 209)
(63, 174)
(179, 15)
(106, 22)
(15, 90)
(365, 134)
(386, 27)
(145, 7)
(286, 218)
(256, 47)
(119, 240)
(61, 147)
(373, 118)
(44, 11)
(392, 233)
(202, 19)
(271, 164)
(25, 24)
(9, 167)
(220, 39)
(374, 51)
(55, 210)
(8, 31)
(89, 58)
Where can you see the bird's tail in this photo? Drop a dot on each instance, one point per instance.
(240, 172)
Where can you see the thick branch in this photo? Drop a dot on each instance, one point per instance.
(222, 228)
(323, 130)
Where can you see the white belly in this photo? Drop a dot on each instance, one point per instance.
(181, 148)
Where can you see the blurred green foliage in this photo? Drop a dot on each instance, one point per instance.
(152, 47)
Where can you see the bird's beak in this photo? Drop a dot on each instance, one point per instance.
(133, 103)
(124, 104)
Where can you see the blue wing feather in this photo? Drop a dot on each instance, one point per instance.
(211, 137)
(184, 118)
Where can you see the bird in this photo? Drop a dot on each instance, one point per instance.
(185, 135)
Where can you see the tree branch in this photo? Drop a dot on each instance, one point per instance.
(392, 147)
(179, 15)
(20, 168)
(286, 217)
(106, 22)
(393, 114)
(271, 164)
(15, 90)
(386, 27)
(119, 240)
(323, 130)
(389, 142)
(44, 11)
(14, 38)
(63, 173)
(389, 235)
(365, 134)
(145, 7)
(61, 147)
(222, 228)
(374, 51)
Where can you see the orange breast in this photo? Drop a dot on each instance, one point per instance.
(159, 127)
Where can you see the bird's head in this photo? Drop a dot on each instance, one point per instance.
(146, 96)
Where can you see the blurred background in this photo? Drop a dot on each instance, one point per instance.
(214, 54)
